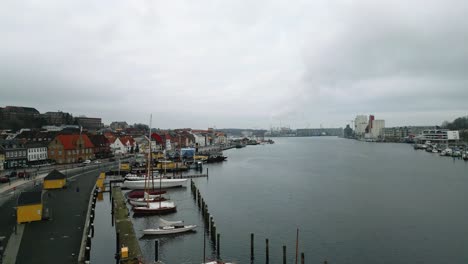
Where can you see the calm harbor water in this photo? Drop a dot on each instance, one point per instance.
(354, 202)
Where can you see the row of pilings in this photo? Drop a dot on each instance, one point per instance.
(89, 229)
(207, 219)
(215, 237)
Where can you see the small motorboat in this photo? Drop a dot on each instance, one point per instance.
(166, 230)
(169, 227)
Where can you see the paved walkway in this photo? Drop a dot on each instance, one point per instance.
(13, 246)
(57, 240)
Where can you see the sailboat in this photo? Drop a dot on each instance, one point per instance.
(147, 206)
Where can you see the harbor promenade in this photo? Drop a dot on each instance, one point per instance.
(58, 239)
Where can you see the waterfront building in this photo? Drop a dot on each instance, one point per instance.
(200, 139)
(91, 123)
(360, 124)
(29, 207)
(16, 155)
(37, 152)
(54, 180)
(438, 135)
(71, 148)
(348, 132)
(406, 133)
(116, 146)
(129, 143)
(101, 146)
(376, 128)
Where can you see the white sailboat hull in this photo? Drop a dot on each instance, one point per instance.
(168, 230)
(165, 183)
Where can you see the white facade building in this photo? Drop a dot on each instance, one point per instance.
(117, 147)
(200, 139)
(438, 135)
(377, 128)
(37, 153)
(360, 124)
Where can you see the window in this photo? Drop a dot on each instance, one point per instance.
(60, 153)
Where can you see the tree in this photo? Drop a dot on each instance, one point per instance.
(141, 126)
(137, 149)
(131, 149)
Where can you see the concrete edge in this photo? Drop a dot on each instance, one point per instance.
(83, 238)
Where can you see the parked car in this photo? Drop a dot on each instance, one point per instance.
(97, 162)
(86, 162)
(3, 179)
(23, 174)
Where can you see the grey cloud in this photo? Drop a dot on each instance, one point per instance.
(236, 63)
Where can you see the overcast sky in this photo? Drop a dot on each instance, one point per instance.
(249, 64)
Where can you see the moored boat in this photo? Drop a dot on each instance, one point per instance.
(141, 193)
(166, 230)
(164, 183)
(155, 208)
(146, 200)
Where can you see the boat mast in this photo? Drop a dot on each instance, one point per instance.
(149, 164)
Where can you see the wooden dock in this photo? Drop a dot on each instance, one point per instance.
(124, 228)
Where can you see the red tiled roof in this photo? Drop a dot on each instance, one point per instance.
(69, 141)
(127, 139)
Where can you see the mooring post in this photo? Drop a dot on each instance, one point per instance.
(213, 235)
(267, 252)
(207, 172)
(284, 254)
(218, 248)
(251, 246)
(117, 247)
(302, 258)
(156, 250)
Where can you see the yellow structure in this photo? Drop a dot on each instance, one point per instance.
(124, 252)
(125, 166)
(29, 207)
(54, 180)
(200, 157)
(157, 155)
(100, 181)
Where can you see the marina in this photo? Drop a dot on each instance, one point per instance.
(237, 225)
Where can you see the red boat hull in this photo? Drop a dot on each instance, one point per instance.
(141, 193)
(153, 211)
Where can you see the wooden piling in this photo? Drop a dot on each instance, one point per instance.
(213, 235)
(117, 247)
(156, 250)
(218, 248)
(267, 252)
(302, 258)
(284, 254)
(251, 246)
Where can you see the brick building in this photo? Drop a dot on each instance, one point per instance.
(71, 148)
